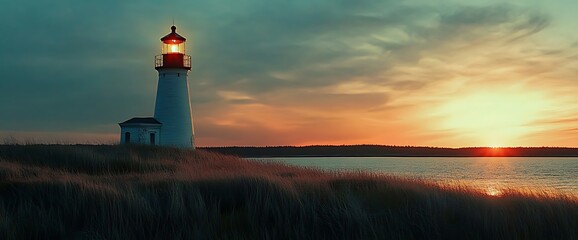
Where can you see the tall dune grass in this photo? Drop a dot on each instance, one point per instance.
(138, 192)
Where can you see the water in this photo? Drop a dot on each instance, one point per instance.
(489, 173)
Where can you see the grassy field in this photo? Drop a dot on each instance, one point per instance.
(137, 192)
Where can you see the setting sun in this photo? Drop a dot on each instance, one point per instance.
(494, 192)
(494, 119)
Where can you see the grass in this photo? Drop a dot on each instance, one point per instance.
(138, 192)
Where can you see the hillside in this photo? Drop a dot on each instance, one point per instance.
(138, 192)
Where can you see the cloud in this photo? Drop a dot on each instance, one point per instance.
(262, 68)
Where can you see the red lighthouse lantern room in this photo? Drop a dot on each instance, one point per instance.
(173, 52)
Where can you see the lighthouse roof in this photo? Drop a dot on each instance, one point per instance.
(173, 37)
(141, 120)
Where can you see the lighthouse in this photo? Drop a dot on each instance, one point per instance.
(173, 105)
(172, 124)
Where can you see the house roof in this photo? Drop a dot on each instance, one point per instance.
(141, 120)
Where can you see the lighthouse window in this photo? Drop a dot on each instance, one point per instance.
(127, 137)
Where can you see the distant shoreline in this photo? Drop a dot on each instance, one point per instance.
(391, 151)
(401, 156)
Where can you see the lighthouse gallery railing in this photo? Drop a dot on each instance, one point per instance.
(173, 60)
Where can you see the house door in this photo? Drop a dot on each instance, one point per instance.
(152, 139)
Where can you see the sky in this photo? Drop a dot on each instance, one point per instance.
(441, 73)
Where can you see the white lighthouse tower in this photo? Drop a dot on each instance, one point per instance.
(173, 105)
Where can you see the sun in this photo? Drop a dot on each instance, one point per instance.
(493, 119)
(494, 192)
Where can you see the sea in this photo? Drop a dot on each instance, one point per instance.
(490, 174)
